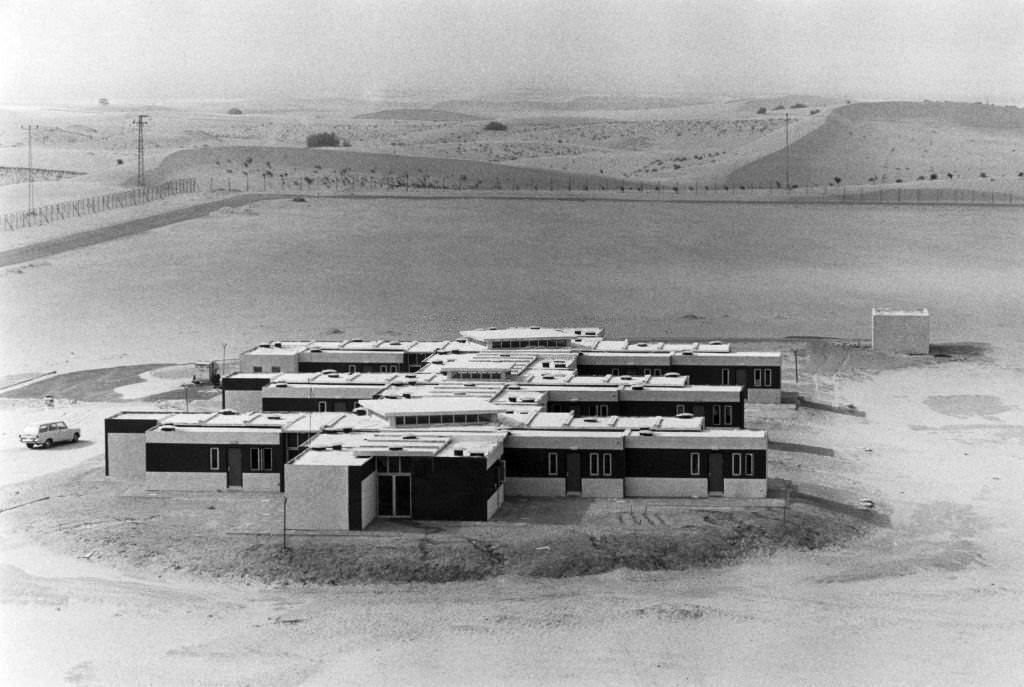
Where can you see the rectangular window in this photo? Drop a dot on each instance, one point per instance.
(321, 406)
(257, 368)
(267, 465)
(657, 371)
(726, 376)
(553, 464)
(695, 464)
(383, 368)
(595, 464)
(727, 416)
(606, 464)
(615, 371)
(647, 370)
(448, 419)
(352, 369)
(215, 459)
(757, 376)
(275, 368)
(393, 368)
(400, 420)
(748, 467)
(767, 376)
(716, 415)
(254, 459)
(680, 408)
(435, 419)
(602, 410)
(737, 464)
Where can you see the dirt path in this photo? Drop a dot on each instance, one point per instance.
(45, 249)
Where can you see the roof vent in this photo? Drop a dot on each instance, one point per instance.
(315, 350)
(409, 436)
(672, 374)
(687, 352)
(394, 448)
(356, 340)
(229, 411)
(346, 430)
(684, 416)
(333, 375)
(273, 417)
(626, 377)
(329, 372)
(277, 344)
(533, 326)
(320, 448)
(590, 419)
(646, 433)
(281, 385)
(716, 342)
(458, 451)
(360, 411)
(638, 387)
(167, 428)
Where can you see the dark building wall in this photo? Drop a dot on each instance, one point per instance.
(248, 384)
(676, 463)
(450, 489)
(356, 475)
(533, 462)
(343, 367)
(196, 457)
(306, 405)
(710, 375)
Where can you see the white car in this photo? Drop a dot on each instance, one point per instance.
(46, 434)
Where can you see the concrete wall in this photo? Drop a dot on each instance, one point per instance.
(318, 497)
(665, 487)
(186, 481)
(126, 456)
(900, 333)
(495, 501)
(261, 481)
(602, 488)
(746, 488)
(764, 395)
(535, 486)
(369, 502)
(243, 400)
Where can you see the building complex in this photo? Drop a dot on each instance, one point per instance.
(356, 430)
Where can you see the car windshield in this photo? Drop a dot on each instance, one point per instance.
(30, 429)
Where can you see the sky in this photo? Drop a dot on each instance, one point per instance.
(55, 51)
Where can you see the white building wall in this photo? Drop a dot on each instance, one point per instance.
(665, 487)
(186, 481)
(535, 486)
(900, 332)
(317, 497)
(126, 456)
(495, 501)
(369, 494)
(258, 481)
(764, 395)
(746, 488)
(243, 400)
(602, 488)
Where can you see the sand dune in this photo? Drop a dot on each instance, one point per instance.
(420, 115)
(891, 142)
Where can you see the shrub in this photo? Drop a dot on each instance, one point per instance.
(495, 126)
(797, 106)
(933, 176)
(815, 111)
(762, 110)
(104, 102)
(983, 175)
(326, 139)
(234, 111)
(778, 107)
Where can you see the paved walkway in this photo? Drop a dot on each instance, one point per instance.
(45, 249)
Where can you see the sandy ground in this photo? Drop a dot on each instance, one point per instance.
(936, 599)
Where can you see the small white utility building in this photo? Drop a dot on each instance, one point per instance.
(895, 330)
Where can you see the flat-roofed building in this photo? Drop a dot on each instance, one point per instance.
(896, 330)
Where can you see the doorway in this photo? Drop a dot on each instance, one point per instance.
(716, 476)
(573, 475)
(234, 467)
(394, 496)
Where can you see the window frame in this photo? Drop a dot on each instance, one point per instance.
(716, 415)
(553, 460)
(607, 464)
(594, 463)
(726, 377)
(766, 377)
(749, 464)
(694, 463)
(215, 458)
(737, 465)
(757, 377)
(726, 415)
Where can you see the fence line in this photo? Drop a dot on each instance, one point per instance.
(47, 214)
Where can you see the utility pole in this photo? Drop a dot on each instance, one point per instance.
(141, 122)
(31, 189)
(786, 153)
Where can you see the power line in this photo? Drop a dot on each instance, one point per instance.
(140, 123)
(31, 189)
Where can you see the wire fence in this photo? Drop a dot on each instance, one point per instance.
(47, 214)
(337, 182)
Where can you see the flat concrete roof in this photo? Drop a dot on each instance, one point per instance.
(900, 312)
(530, 333)
(437, 405)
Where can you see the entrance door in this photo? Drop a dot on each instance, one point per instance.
(716, 477)
(573, 476)
(234, 467)
(741, 377)
(394, 496)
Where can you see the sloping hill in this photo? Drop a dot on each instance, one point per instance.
(415, 115)
(899, 141)
(311, 169)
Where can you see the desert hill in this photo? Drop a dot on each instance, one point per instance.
(329, 169)
(419, 115)
(896, 142)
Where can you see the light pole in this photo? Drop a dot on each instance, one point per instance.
(185, 387)
(31, 190)
(787, 152)
(223, 363)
